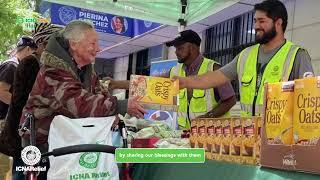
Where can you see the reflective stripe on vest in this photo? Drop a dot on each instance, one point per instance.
(199, 103)
(278, 69)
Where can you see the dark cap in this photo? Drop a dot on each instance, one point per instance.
(185, 36)
(26, 41)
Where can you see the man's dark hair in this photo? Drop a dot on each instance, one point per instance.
(274, 9)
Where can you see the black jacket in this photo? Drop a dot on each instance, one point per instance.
(25, 75)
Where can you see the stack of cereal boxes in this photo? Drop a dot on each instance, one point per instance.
(290, 138)
(233, 139)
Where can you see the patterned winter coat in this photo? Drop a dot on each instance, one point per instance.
(60, 89)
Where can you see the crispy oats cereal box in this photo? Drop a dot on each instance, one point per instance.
(306, 122)
(210, 124)
(202, 134)
(248, 140)
(279, 112)
(226, 139)
(236, 139)
(217, 139)
(194, 134)
(154, 89)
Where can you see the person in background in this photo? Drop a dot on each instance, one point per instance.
(198, 103)
(272, 59)
(24, 78)
(25, 47)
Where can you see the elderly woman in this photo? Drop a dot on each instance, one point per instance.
(67, 84)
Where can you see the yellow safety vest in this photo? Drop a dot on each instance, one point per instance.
(201, 102)
(278, 69)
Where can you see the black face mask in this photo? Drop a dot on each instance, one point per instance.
(267, 36)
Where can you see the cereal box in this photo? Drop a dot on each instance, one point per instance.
(194, 134)
(306, 121)
(154, 89)
(202, 134)
(210, 124)
(158, 96)
(248, 141)
(279, 112)
(236, 139)
(217, 139)
(258, 122)
(226, 139)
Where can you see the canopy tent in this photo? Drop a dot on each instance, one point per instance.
(161, 11)
(197, 15)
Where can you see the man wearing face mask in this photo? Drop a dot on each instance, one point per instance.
(272, 59)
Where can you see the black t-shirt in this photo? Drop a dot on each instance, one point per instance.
(7, 70)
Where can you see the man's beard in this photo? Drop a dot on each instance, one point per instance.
(267, 36)
(181, 60)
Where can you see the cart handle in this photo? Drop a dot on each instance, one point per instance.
(80, 148)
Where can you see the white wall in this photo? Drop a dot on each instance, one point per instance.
(304, 27)
(120, 70)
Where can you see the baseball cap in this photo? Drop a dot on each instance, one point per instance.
(185, 36)
(26, 41)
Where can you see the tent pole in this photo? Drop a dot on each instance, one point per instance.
(182, 21)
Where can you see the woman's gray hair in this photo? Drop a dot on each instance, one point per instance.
(75, 30)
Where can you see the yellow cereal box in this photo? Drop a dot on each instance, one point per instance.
(226, 139)
(154, 89)
(210, 124)
(236, 139)
(218, 131)
(279, 112)
(202, 134)
(248, 140)
(258, 122)
(306, 122)
(194, 134)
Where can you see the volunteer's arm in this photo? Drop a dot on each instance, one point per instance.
(226, 102)
(211, 79)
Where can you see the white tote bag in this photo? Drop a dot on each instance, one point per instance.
(87, 165)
